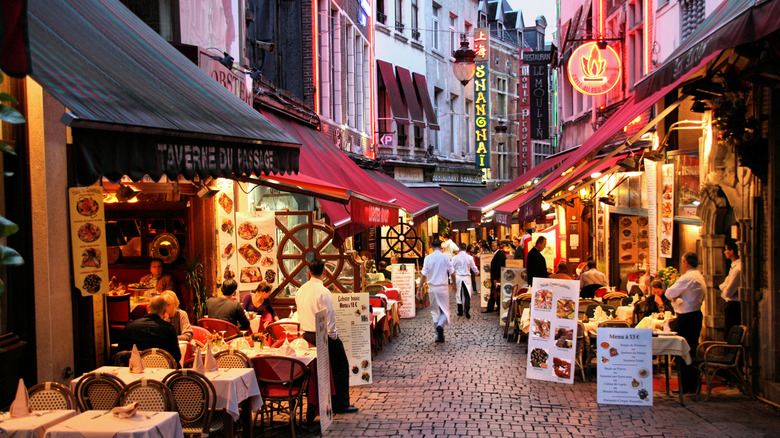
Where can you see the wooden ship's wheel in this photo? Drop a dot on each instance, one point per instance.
(303, 239)
(401, 241)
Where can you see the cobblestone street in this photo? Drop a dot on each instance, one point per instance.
(474, 385)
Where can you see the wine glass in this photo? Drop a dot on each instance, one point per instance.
(292, 309)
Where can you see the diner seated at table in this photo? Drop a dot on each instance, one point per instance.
(157, 278)
(591, 275)
(562, 271)
(656, 302)
(259, 302)
(177, 317)
(151, 331)
(384, 271)
(224, 307)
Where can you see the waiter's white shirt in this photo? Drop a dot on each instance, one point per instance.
(437, 268)
(464, 265)
(594, 276)
(730, 287)
(312, 297)
(449, 247)
(687, 293)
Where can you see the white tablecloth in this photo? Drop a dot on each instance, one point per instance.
(625, 313)
(92, 424)
(32, 426)
(674, 345)
(651, 323)
(525, 320)
(233, 385)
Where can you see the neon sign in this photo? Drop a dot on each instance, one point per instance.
(592, 70)
(481, 100)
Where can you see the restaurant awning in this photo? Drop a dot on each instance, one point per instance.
(410, 96)
(419, 209)
(450, 207)
(467, 194)
(370, 205)
(422, 90)
(732, 23)
(390, 83)
(137, 106)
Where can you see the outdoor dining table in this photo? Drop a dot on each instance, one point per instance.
(33, 425)
(103, 424)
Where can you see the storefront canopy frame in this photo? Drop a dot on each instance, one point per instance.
(419, 209)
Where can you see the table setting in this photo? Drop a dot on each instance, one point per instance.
(118, 423)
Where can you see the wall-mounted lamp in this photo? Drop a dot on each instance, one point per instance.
(125, 193)
(264, 45)
(608, 200)
(226, 60)
(699, 106)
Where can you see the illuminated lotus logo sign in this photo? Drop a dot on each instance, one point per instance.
(593, 70)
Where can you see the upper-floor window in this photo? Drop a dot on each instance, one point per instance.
(501, 97)
(157, 14)
(399, 15)
(435, 26)
(454, 36)
(482, 20)
(381, 14)
(635, 42)
(691, 16)
(414, 23)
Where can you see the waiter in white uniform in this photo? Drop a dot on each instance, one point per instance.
(464, 265)
(436, 271)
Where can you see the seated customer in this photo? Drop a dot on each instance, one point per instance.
(258, 301)
(592, 276)
(655, 302)
(562, 271)
(384, 271)
(226, 308)
(157, 278)
(151, 331)
(177, 317)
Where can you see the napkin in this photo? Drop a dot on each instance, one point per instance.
(300, 345)
(125, 411)
(136, 365)
(197, 365)
(21, 405)
(286, 349)
(599, 315)
(211, 363)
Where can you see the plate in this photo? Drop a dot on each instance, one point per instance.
(165, 247)
(667, 333)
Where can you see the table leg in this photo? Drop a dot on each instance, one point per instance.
(246, 419)
(679, 379)
(667, 366)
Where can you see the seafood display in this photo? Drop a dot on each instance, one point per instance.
(541, 328)
(509, 275)
(227, 252)
(265, 243)
(543, 299)
(90, 258)
(226, 203)
(89, 232)
(563, 337)
(539, 358)
(249, 253)
(227, 226)
(87, 207)
(266, 262)
(562, 368)
(270, 276)
(565, 309)
(92, 283)
(247, 230)
(228, 274)
(250, 274)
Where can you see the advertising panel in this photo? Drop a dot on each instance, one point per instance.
(88, 240)
(353, 324)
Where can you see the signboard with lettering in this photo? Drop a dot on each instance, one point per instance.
(88, 240)
(624, 358)
(323, 369)
(408, 174)
(540, 91)
(525, 116)
(593, 70)
(353, 324)
(485, 284)
(403, 281)
(482, 99)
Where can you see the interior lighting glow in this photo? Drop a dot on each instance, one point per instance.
(595, 174)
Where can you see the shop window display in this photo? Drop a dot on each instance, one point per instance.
(687, 183)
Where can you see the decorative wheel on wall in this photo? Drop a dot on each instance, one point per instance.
(303, 239)
(401, 241)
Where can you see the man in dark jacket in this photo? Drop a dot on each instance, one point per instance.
(226, 308)
(151, 331)
(536, 264)
(498, 262)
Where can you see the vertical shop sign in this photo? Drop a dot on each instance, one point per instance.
(88, 240)
(403, 281)
(525, 113)
(667, 210)
(552, 335)
(539, 89)
(481, 99)
(353, 324)
(257, 249)
(485, 280)
(651, 178)
(323, 369)
(227, 261)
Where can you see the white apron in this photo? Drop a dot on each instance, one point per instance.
(440, 302)
(462, 280)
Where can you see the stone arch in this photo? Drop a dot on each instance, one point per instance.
(714, 212)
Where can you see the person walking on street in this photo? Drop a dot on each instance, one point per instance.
(536, 265)
(437, 272)
(687, 294)
(448, 246)
(730, 287)
(464, 266)
(311, 298)
(498, 262)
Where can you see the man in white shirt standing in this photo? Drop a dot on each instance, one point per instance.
(436, 272)
(448, 246)
(311, 298)
(730, 287)
(687, 294)
(464, 265)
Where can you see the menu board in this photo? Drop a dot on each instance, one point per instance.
(484, 288)
(625, 366)
(511, 279)
(667, 210)
(403, 281)
(88, 240)
(353, 324)
(256, 248)
(651, 178)
(225, 212)
(552, 337)
(323, 369)
(633, 239)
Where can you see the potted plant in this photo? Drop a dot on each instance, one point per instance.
(196, 283)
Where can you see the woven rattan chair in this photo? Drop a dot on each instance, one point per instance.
(50, 396)
(583, 307)
(217, 325)
(151, 395)
(158, 358)
(714, 356)
(281, 379)
(97, 391)
(232, 359)
(614, 299)
(195, 399)
(614, 323)
(582, 356)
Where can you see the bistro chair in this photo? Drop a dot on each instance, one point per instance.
(151, 395)
(392, 294)
(279, 331)
(591, 310)
(121, 358)
(374, 289)
(281, 379)
(614, 299)
(195, 400)
(583, 306)
(714, 356)
(158, 358)
(218, 325)
(614, 323)
(97, 391)
(118, 315)
(232, 359)
(582, 356)
(200, 334)
(51, 396)
(589, 291)
(600, 292)
(523, 301)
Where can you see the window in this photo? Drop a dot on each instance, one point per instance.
(399, 15)
(454, 40)
(636, 43)
(691, 16)
(501, 97)
(402, 129)
(156, 14)
(418, 138)
(454, 125)
(435, 141)
(350, 76)
(435, 27)
(415, 27)
(482, 20)
(380, 11)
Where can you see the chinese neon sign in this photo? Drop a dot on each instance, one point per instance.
(481, 101)
(592, 70)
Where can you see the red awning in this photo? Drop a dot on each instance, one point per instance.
(305, 185)
(419, 209)
(422, 90)
(369, 206)
(387, 76)
(410, 96)
(450, 207)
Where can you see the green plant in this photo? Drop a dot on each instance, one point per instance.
(196, 282)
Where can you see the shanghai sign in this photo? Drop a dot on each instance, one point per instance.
(592, 70)
(481, 100)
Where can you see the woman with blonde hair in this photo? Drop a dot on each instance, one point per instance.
(258, 301)
(176, 316)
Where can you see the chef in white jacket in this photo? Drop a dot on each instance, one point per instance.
(436, 273)
(464, 265)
